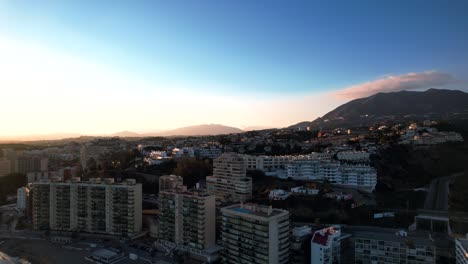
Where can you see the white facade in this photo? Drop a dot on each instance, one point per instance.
(22, 196)
(358, 176)
(304, 191)
(229, 182)
(278, 194)
(210, 153)
(326, 246)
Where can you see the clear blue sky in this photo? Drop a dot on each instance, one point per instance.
(271, 48)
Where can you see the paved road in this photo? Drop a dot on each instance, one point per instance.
(438, 194)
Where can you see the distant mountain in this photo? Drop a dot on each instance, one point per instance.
(435, 103)
(255, 128)
(201, 130)
(125, 134)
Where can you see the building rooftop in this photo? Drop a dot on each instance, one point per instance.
(394, 235)
(255, 210)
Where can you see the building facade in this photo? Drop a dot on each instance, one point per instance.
(22, 198)
(229, 182)
(326, 246)
(252, 233)
(25, 164)
(387, 246)
(93, 207)
(187, 221)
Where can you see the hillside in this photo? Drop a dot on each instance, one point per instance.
(201, 130)
(435, 103)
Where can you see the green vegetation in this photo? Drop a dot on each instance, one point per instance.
(193, 170)
(9, 184)
(458, 199)
(405, 166)
(458, 204)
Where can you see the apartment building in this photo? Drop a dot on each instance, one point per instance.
(229, 182)
(380, 245)
(341, 173)
(168, 182)
(210, 153)
(274, 165)
(39, 176)
(22, 197)
(5, 167)
(25, 164)
(95, 206)
(187, 222)
(266, 163)
(326, 245)
(300, 245)
(252, 233)
(461, 249)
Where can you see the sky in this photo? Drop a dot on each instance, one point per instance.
(96, 67)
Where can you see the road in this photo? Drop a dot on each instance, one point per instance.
(438, 194)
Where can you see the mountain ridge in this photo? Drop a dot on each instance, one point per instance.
(393, 105)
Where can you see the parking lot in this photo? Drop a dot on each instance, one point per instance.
(40, 251)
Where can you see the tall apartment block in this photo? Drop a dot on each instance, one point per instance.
(187, 221)
(252, 233)
(229, 182)
(94, 207)
(168, 182)
(326, 246)
(22, 197)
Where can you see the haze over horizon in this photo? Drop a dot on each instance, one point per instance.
(105, 67)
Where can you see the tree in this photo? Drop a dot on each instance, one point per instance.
(193, 170)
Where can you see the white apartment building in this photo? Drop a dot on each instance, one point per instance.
(188, 222)
(229, 182)
(273, 165)
(22, 197)
(461, 248)
(326, 245)
(94, 207)
(266, 163)
(210, 153)
(304, 191)
(252, 233)
(278, 194)
(352, 175)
